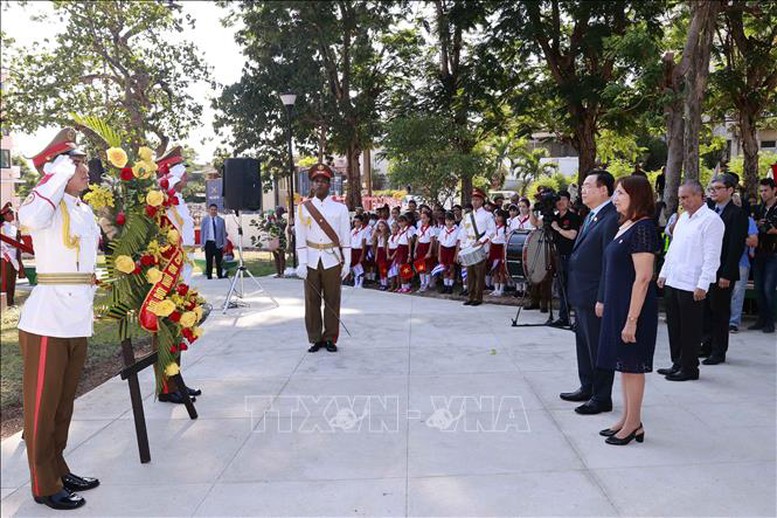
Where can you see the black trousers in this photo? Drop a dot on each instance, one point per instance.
(476, 281)
(211, 252)
(684, 321)
(593, 380)
(717, 313)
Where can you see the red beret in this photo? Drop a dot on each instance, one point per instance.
(320, 170)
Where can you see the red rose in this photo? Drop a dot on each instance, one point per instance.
(190, 306)
(182, 289)
(147, 260)
(121, 219)
(164, 184)
(174, 200)
(187, 333)
(183, 346)
(150, 211)
(137, 269)
(126, 174)
(173, 349)
(175, 316)
(164, 169)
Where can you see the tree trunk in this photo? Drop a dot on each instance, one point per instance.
(466, 189)
(353, 195)
(747, 128)
(696, 82)
(585, 144)
(674, 158)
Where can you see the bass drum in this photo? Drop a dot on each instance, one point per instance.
(528, 257)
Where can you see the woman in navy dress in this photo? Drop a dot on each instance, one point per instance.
(630, 309)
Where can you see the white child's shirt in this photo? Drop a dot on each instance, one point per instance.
(500, 237)
(448, 236)
(425, 234)
(357, 236)
(404, 236)
(393, 241)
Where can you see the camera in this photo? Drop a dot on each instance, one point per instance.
(545, 203)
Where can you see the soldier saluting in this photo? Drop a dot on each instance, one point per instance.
(58, 316)
(322, 231)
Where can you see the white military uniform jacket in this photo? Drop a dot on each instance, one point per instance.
(65, 236)
(7, 250)
(182, 219)
(313, 245)
(485, 224)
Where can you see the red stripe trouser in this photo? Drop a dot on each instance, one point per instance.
(52, 368)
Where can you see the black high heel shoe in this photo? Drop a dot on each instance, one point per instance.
(640, 437)
(608, 432)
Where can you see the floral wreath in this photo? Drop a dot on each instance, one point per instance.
(144, 255)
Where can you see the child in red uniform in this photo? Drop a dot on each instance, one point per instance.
(448, 241)
(423, 247)
(380, 239)
(496, 255)
(402, 256)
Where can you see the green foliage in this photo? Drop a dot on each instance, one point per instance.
(114, 60)
(423, 155)
(28, 176)
(543, 181)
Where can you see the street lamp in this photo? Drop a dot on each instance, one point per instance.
(288, 100)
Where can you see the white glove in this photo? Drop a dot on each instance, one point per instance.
(302, 271)
(346, 271)
(62, 165)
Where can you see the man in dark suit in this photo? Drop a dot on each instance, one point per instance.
(718, 307)
(586, 292)
(213, 234)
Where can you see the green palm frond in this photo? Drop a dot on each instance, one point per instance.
(100, 127)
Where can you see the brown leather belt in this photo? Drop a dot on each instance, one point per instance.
(321, 246)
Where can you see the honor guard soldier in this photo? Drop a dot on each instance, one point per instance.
(174, 178)
(174, 172)
(57, 317)
(323, 233)
(477, 229)
(10, 254)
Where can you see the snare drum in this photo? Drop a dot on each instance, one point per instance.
(472, 255)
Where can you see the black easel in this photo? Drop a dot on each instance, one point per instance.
(130, 373)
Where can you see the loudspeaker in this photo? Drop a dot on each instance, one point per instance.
(242, 184)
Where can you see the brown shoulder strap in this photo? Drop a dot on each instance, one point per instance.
(322, 222)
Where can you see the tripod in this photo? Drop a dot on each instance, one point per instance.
(552, 263)
(240, 274)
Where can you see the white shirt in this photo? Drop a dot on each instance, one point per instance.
(486, 228)
(404, 236)
(7, 250)
(60, 310)
(520, 223)
(393, 241)
(182, 220)
(357, 237)
(307, 229)
(500, 235)
(448, 236)
(693, 257)
(425, 235)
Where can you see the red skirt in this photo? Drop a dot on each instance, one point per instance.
(446, 255)
(356, 255)
(382, 261)
(496, 254)
(420, 253)
(403, 254)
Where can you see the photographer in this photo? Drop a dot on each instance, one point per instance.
(765, 263)
(565, 224)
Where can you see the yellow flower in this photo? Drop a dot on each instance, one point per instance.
(197, 331)
(172, 369)
(198, 311)
(154, 275)
(99, 197)
(146, 154)
(173, 236)
(162, 308)
(124, 264)
(117, 157)
(143, 169)
(155, 198)
(188, 319)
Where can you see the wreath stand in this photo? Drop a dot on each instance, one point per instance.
(130, 373)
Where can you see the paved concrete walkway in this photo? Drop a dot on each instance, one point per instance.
(430, 408)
